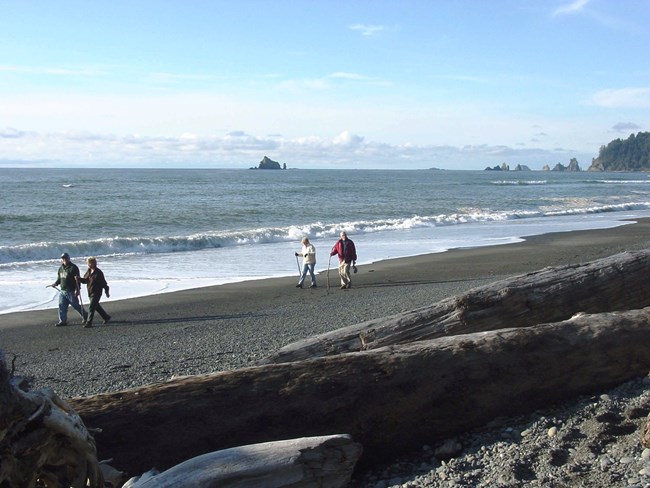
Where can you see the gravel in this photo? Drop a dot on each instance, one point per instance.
(593, 441)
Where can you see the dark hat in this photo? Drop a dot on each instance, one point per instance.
(65, 255)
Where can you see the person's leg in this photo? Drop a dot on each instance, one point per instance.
(63, 308)
(312, 275)
(343, 274)
(74, 301)
(302, 275)
(348, 278)
(100, 310)
(92, 307)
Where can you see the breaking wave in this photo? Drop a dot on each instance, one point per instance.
(49, 251)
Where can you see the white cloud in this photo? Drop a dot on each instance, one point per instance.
(367, 30)
(622, 98)
(571, 8)
(239, 149)
(348, 76)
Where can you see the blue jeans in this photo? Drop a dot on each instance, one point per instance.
(68, 298)
(308, 268)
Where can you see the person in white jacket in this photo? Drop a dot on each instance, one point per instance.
(308, 254)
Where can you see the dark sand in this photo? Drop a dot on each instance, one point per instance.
(231, 326)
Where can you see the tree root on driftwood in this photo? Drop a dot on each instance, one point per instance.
(43, 442)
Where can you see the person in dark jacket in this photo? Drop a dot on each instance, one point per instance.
(347, 253)
(68, 277)
(96, 283)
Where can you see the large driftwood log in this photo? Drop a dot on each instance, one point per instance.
(391, 399)
(43, 442)
(308, 462)
(618, 282)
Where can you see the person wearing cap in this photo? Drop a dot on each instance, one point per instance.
(308, 254)
(347, 254)
(96, 283)
(68, 277)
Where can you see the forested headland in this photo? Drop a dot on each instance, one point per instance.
(631, 154)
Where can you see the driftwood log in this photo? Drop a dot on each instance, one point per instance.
(619, 282)
(391, 399)
(324, 462)
(43, 442)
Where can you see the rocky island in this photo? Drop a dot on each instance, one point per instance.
(268, 163)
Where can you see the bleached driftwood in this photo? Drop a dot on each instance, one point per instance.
(618, 282)
(43, 442)
(390, 400)
(325, 462)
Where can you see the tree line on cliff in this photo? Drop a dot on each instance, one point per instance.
(631, 154)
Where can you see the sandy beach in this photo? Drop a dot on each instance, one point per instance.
(231, 326)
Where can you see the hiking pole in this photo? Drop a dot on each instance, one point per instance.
(81, 303)
(328, 274)
(298, 264)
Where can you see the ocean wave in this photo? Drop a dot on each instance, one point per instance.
(50, 251)
(519, 182)
(624, 182)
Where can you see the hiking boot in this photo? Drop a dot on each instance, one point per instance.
(60, 324)
(107, 319)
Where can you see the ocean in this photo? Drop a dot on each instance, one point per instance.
(162, 230)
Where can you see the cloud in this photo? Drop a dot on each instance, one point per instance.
(625, 127)
(571, 8)
(622, 98)
(348, 76)
(41, 70)
(367, 30)
(240, 149)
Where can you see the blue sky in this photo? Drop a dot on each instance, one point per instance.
(320, 84)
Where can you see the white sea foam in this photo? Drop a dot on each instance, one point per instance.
(157, 231)
(131, 276)
(40, 252)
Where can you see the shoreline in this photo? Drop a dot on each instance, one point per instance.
(230, 326)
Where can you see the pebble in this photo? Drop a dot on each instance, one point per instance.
(598, 445)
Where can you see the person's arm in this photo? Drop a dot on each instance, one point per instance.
(104, 283)
(335, 249)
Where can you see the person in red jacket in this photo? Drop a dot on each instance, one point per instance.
(347, 254)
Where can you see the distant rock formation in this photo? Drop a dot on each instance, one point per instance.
(503, 167)
(267, 163)
(573, 166)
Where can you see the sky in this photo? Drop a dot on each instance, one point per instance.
(408, 84)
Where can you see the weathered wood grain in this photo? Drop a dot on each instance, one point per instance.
(618, 282)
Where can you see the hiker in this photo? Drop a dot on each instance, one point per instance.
(68, 277)
(96, 283)
(308, 254)
(347, 254)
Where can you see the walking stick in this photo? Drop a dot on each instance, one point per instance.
(328, 274)
(298, 264)
(81, 303)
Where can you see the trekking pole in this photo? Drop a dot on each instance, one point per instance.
(298, 264)
(81, 303)
(328, 274)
